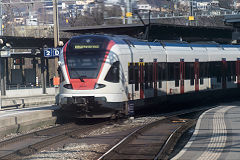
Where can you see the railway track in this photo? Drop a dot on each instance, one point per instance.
(24, 145)
(146, 142)
(151, 141)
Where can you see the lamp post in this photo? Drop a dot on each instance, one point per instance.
(191, 7)
(56, 23)
(129, 10)
(1, 61)
(56, 32)
(191, 17)
(1, 29)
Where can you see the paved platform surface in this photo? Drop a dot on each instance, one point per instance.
(26, 109)
(216, 135)
(15, 112)
(27, 97)
(26, 119)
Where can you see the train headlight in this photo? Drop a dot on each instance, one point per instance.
(68, 86)
(98, 86)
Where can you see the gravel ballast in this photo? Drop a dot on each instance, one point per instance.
(85, 151)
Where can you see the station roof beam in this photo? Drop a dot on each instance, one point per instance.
(234, 21)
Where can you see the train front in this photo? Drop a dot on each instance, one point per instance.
(90, 82)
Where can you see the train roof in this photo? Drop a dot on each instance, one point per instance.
(125, 39)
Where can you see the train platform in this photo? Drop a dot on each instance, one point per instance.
(27, 109)
(216, 135)
(21, 98)
(26, 119)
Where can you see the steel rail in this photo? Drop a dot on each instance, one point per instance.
(37, 133)
(33, 148)
(140, 130)
(169, 143)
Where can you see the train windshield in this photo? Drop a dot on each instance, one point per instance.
(85, 64)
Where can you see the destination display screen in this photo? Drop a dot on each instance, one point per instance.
(87, 43)
(88, 46)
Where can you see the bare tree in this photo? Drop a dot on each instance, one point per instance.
(8, 19)
(226, 4)
(98, 13)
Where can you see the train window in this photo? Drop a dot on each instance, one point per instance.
(164, 73)
(233, 73)
(231, 70)
(201, 80)
(159, 65)
(203, 69)
(192, 74)
(155, 73)
(218, 68)
(215, 70)
(161, 71)
(206, 73)
(171, 71)
(219, 79)
(146, 75)
(84, 64)
(236, 72)
(228, 71)
(191, 82)
(211, 70)
(218, 71)
(176, 82)
(187, 69)
(136, 76)
(113, 73)
(160, 84)
(234, 77)
(177, 74)
(229, 78)
(130, 73)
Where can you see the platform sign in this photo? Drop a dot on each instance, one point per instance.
(129, 14)
(47, 52)
(52, 52)
(191, 18)
(56, 52)
(5, 54)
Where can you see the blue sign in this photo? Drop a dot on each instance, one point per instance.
(56, 52)
(47, 52)
(52, 52)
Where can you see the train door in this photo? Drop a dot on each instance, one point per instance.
(196, 74)
(182, 75)
(162, 78)
(141, 78)
(155, 77)
(238, 72)
(224, 74)
(136, 81)
(148, 80)
(131, 80)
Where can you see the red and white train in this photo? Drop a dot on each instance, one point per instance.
(100, 74)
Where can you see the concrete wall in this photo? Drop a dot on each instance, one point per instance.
(28, 92)
(27, 97)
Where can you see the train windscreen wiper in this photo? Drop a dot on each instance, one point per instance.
(81, 78)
